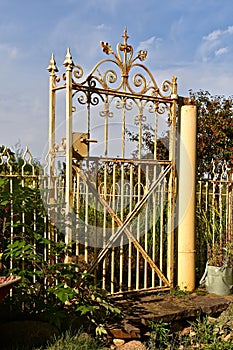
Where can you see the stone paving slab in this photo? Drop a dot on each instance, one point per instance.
(139, 310)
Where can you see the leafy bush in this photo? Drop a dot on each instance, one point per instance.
(60, 289)
(49, 288)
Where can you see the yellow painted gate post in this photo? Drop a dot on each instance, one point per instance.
(186, 198)
(68, 63)
(52, 68)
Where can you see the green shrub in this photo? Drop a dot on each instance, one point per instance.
(49, 288)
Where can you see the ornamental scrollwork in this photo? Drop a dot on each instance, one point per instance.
(87, 97)
(124, 103)
(121, 74)
(128, 73)
(77, 72)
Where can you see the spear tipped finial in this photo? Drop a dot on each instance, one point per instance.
(68, 60)
(52, 65)
(125, 47)
(125, 36)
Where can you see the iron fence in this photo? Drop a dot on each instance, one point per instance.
(23, 214)
(214, 214)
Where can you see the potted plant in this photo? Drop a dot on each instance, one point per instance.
(218, 275)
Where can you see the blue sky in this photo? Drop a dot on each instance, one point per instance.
(192, 40)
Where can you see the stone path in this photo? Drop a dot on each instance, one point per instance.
(140, 309)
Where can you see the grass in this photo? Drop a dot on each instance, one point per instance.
(70, 341)
(203, 333)
(206, 333)
(66, 341)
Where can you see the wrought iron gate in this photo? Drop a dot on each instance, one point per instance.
(116, 207)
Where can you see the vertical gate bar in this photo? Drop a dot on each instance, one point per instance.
(199, 237)
(34, 225)
(86, 223)
(162, 224)
(104, 224)
(206, 196)
(88, 126)
(130, 243)
(146, 227)
(113, 227)
(122, 191)
(199, 193)
(87, 166)
(212, 208)
(153, 228)
(12, 216)
(56, 211)
(138, 228)
(161, 206)
(220, 198)
(140, 117)
(59, 183)
(225, 205)
(45, 186)
(68, 63)
(23, 216)
(88, 120)
(45, 236)
(77, 215)
(228, 210)
(122, 218)
(106, 114)
(156, 130)
(156, 106)
(123, 128)
(96, 166)
(74, 192)
(230, 206)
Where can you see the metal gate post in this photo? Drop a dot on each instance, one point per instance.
(171, 184)
(186, 198)
(52, 68)
(68, 63)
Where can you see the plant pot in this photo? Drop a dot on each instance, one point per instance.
(219, 280)
(6, 284)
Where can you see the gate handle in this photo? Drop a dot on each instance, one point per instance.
(84, 140)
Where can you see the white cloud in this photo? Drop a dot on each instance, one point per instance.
(213, 35)
(149, 43)
(221, 51)
(216, 34)
(9, 51)
(217, 79)
(229, 30)
(215, 44)
(102, 26)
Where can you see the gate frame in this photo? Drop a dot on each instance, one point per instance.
(73, 71)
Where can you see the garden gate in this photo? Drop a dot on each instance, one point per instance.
(117, 208)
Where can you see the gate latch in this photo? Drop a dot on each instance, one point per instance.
(80, 143)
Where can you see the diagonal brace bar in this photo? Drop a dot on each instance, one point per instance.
(123, 225)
